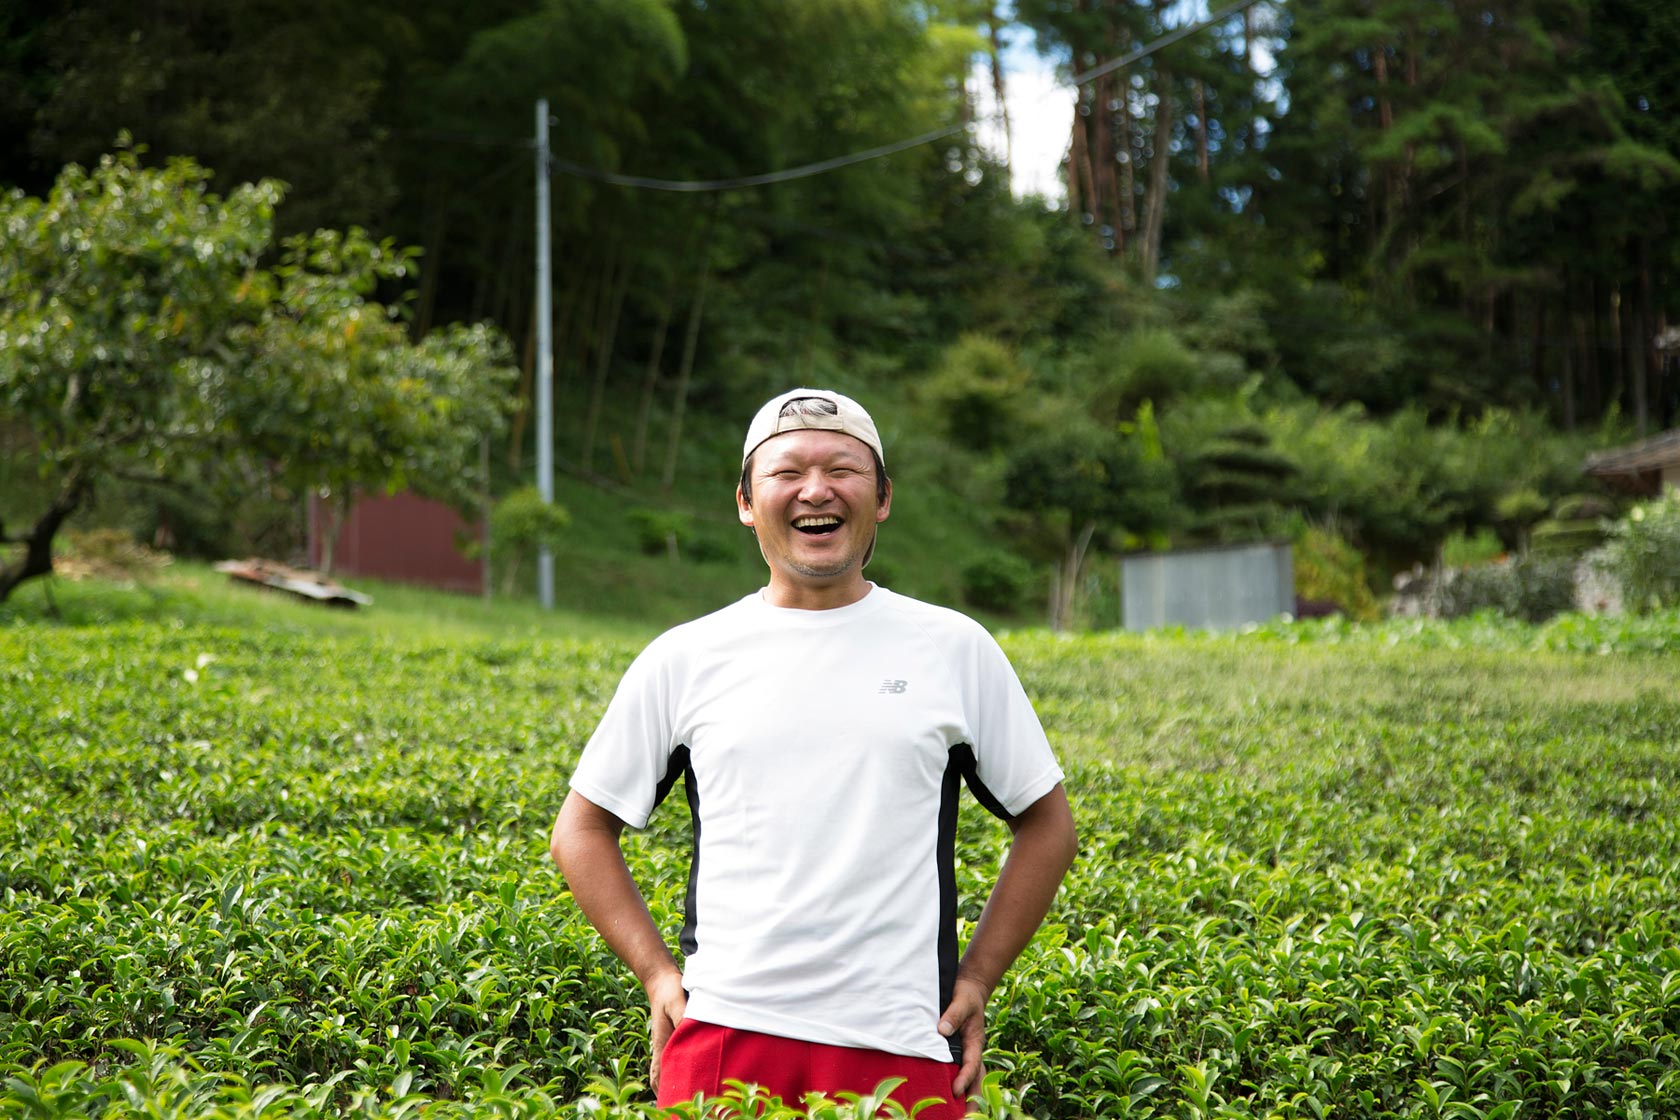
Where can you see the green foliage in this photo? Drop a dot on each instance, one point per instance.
(1146, 364)
(1465, 550)
(1239, 484)
(575, 54)
(143, 338)
(1577, 525)
(189, 592)
(1520, 507)
(250, 89)
(404, 415)
(1091, 478)
(1530, 586)
(1442, 854)
(996, 581)
(977, 390)
(660, 532)
(522, 522)
(1642, 552)
(676, 534)
(1330, 570)
(1399, 484)
(118, 290)
(1082, 481)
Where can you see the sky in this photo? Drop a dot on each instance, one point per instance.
(1040, 116)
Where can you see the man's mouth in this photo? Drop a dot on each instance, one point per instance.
(817, 526)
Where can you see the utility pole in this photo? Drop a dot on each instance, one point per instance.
(545, 358)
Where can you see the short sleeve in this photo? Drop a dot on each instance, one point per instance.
(1012, 757)
(630, 752)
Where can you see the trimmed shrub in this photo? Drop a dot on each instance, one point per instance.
(520, 524)
(1330, 570)
(1643, 554)
(1577, 525)
(1530, 587)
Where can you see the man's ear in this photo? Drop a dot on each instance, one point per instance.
(885, 507)
(743, 510)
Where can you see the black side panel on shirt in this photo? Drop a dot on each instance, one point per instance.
(971, 775)
(682, 767)
(959, 764)
(960, 769)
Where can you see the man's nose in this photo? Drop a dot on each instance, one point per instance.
(816, 488)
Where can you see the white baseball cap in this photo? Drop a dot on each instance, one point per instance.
(829, 411)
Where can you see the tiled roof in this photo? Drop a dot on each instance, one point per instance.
(1662, 450)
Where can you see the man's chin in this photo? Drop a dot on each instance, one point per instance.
(823, 571)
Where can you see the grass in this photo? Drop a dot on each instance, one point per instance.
(297, 859)
(190, 593)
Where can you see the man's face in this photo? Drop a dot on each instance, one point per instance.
(814, 505)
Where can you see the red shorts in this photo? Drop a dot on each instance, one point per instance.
(700, 1057)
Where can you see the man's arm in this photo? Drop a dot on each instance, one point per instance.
(585, 848)
(1043, 850)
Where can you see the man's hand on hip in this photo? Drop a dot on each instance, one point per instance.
(966, 1018)
(666, 1002)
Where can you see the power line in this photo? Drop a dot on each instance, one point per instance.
(804, 171)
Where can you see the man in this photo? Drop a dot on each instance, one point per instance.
(822, 727)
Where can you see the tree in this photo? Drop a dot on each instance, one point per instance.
(521, 524)
(1082, 480)
(248, 87)
(1489, 185)
(143, 339)
(1167, 149)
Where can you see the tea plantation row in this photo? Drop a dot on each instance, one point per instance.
(1323, 873)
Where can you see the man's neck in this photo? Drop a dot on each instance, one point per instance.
(806, 596)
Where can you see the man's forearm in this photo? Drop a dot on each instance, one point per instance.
(1043, 849)
(585, 847)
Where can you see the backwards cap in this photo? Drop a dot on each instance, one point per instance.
(826, 410)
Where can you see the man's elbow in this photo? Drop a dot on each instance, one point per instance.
(556, 843)
(557, 846)
(1070, 844)
(583, 833)
(563, 841)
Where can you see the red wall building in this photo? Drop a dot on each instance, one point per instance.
(400, 537)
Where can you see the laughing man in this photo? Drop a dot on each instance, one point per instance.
(822, 728)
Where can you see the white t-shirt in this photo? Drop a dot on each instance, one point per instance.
(823, 753)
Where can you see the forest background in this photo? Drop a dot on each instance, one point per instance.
(1369, 272)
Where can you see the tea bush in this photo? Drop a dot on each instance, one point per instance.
(1412, 869)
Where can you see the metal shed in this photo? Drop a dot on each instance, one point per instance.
(1209, 588)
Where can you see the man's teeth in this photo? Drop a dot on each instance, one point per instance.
(815, 522)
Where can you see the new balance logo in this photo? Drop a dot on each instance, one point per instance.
(894, 686)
